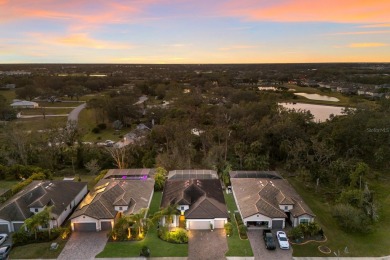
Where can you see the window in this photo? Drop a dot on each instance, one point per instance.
(36, 210)
(285, 207)
(182, 208)
(304, 221)
(120, 208)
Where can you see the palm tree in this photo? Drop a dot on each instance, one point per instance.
(40, 219)
(166, 213)
(139, 220)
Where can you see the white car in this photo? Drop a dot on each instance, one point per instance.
(3, 237)
(282, 240)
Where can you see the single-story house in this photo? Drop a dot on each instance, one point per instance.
(64, 196)
(268, 201)
(24, 104)
(200, 201)
(109, 199)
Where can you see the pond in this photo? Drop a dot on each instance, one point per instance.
(320, 112)
(318, 97)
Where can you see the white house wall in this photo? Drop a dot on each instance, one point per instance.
(296, 220)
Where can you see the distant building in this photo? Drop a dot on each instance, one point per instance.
(24, 104)
(8, 86)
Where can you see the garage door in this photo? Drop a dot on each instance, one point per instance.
(82, 227)
(277, 224)
(106, 226)
(196, 224)
(17, 226)
(219, 223)
(4, 228)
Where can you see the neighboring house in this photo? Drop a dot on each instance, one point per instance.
(110, 198)
(265, 200)
(62, 195)
(134, 136)
(24, 104)
(8, 86)
(129, 174)
(199, 198)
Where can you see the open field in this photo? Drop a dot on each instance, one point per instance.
(47, 111)
(34, 124)
(158, 247)
(351, 101)
(8, 94)
(376, 243)
(87, 122)
(59, 104)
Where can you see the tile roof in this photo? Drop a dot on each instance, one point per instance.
(108, 193)
(39, 194)
(262, 195)
(204, 197)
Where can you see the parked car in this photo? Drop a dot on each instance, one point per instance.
(4, 252)
(282, 240)
(3, 238)
(268, 239)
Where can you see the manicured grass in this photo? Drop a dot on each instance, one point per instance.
(344, 100)
(376, 243)
(237, 246)
(158, 247)
(48, 111)
(37, 250)
(7, 184)
(34, 124)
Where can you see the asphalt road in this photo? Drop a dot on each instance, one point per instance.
(74, 114)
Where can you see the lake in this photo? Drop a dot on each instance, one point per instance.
(320, 112)
(318, 97)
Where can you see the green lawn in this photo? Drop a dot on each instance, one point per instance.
(344, 100)
(34, 124)
(87, 122)
(8, 94)
(37, 251)
(158, 248)
(376, 243)
(60, 104)
(7, 184)
(237, 246)
(48, 111)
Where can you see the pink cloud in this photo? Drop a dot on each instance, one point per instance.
(346, 11)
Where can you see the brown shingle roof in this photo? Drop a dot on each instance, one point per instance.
(204, 197)
(39, 194)
(261, 195)
(108, 193)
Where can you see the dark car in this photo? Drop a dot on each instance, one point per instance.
(269, 239)
(4, 251)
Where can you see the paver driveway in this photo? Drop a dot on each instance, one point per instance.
(84, 245)
(259, 250)
(207, 245)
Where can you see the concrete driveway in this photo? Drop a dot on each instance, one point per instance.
(259, 250)
(206, 244)
(84, 245)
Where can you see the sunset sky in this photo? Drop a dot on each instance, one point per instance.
(194, 31)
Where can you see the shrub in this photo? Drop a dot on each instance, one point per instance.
(23, 237)
(19, 186)
(102, 126)
(229, 229)
(296, 233)
(96, 130)
(177, 236)
(352, 219)
(238, 218)
(242, 229)
(145, 251)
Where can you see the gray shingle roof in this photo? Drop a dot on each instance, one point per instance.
(204, 197)
(39, 194)
(108, 193)
(128, 173)
(261, 195)
(192, 174)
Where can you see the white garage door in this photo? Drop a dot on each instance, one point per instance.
(219, 223)
(198, 224)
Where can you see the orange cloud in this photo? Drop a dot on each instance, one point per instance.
(367, 45)
(237, 47)
(346, 11)
(361, 33)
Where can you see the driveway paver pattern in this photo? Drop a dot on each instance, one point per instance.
(259, 250)
(84, 245)
(207, 245)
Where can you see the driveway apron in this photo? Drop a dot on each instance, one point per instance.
(207, 245)
(259, 250)
(84, 245)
